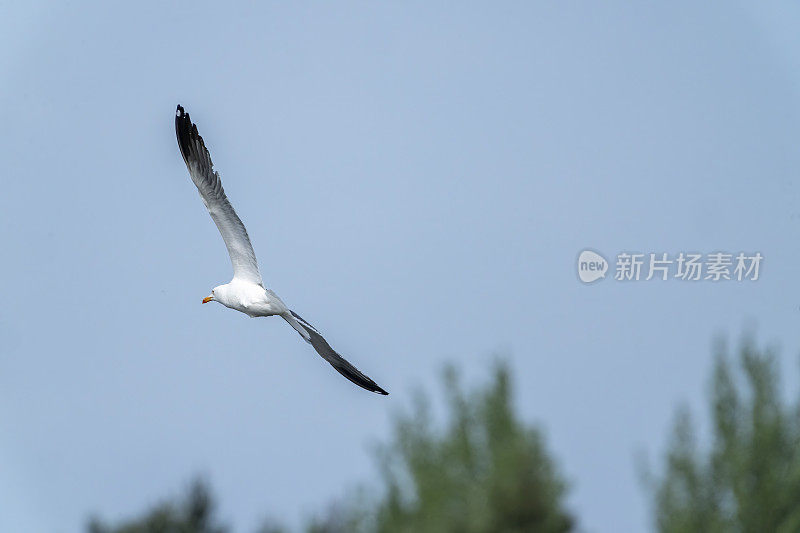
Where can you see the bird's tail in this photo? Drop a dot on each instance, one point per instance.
(315, 339)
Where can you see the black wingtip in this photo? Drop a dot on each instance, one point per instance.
(373, 387)
(187, 135)
(183, 128)
(346, 369)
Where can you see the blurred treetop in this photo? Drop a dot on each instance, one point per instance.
(748, 480)
(484, 471)
(195, 514)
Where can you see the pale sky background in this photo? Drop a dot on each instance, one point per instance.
(417, 179)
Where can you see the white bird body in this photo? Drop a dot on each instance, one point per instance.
(249, 298)
(246, 292)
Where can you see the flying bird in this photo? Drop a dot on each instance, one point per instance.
(246, 291)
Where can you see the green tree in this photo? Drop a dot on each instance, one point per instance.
(195, 514)
(748, 478)
(485, 471)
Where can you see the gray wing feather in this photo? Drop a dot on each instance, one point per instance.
(313, 337)
(209, 184)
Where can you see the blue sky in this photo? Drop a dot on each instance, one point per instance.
(417, 180)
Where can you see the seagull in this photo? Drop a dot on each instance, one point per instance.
(246, 292)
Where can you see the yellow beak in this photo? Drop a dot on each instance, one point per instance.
(207, 299)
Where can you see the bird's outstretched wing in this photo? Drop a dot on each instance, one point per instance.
(313, 337)
(208, 182)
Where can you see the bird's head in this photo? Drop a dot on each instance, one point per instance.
(211, 297)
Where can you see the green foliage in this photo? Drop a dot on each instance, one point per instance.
(485, 472)
(195, 514)
(749, 478)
